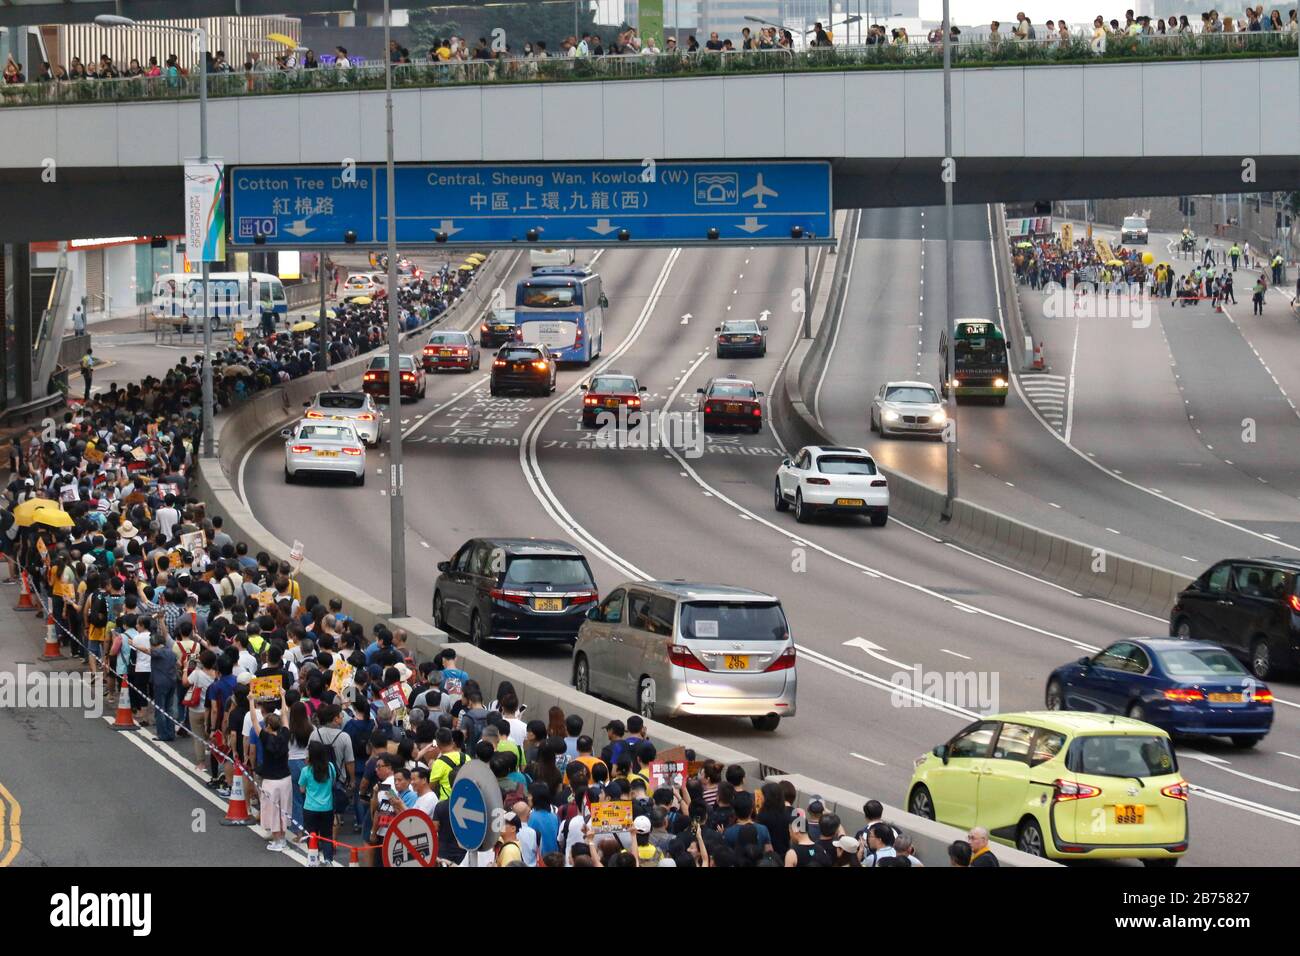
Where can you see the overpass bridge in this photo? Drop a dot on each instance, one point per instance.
(1155, 126)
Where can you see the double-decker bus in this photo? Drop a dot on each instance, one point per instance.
(980, 367)
(562, 307)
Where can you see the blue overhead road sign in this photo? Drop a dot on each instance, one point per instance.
(565, 203)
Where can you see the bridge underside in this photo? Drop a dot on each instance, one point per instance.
(137, 201)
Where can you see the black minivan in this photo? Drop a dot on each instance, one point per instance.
(514, 589)
(1251, 607)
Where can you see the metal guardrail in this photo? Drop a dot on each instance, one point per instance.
(915, 53)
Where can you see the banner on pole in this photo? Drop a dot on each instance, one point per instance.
(205, 212)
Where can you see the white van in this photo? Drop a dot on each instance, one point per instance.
(231, 296)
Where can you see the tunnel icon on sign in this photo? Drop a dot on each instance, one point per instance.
(717, 189)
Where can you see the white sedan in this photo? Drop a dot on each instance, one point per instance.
(832, 478)
(908, 408)
(326, 447)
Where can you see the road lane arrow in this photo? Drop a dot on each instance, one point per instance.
(764, 315)
(449, 227)
(874, 651)
(603, 227)
(299, 228)
(751, 225)
(686, 319)
(464, 815)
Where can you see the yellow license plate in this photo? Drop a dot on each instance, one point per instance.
(444, 353)
(737, 662)
(548, 604)
(849, 502)
(1224, 698)
(327, 454)
(1130, 813)
(611, 403)
(732, 407)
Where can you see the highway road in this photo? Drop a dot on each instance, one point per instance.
(864, 603)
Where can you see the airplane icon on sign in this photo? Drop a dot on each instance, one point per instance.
(761, 191)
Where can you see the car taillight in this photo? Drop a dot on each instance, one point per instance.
(591, 400)
(584, 598)
(300, 449)
(1183, 695)
(429, 350)
(879, 483)
(513, 597)
(1073, 790)
(1263, 695)
(365, 417)
(314, 414)
(408, 376)
(783, 662)
(634, 402)
(577, 336)
(1178, 791)
(819, 481)
(483, 328)
(758, 410)
(370, 376)
(539, 365)
(498, 363)
(462, 351)
(708, 409)
(1295, 603)
(519, 335)
(352, 451)
(681, 655)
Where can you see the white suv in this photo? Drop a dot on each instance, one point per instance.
(832, 478)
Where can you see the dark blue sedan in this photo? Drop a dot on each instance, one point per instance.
(1181, 686)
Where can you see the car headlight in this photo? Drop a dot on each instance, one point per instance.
(999, 383)
(890, 416)
(939, 416)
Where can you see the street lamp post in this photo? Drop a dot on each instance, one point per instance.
(396, 502)
(949, 174)
(111, 20)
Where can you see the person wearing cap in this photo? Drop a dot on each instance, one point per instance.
(647, 854)
(614, 731)
(507, 849)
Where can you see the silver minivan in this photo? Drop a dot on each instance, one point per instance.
(673, 649)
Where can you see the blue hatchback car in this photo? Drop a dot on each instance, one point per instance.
(1181, 686)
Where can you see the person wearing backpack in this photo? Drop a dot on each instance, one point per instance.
(97, 620)
(330, 732)
(473, 718)
(443, 770)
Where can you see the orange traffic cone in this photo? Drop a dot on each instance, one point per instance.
(124, 719)
(237, 814)
(1040, 363)
(25, 602)
(313, 850)
(52, 650)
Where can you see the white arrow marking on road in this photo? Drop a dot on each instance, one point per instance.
(873, 650)
(751, 225)
(602, 227)
(449, 227)
(686, 319)
(299, 228)
(462, 813)
(764, 315)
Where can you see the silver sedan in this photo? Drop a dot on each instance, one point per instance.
(323, 447)
(908, 408)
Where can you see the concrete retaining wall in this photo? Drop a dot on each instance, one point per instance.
(1092, 571)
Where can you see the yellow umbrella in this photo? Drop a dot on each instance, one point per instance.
(330, 313)
(305, 326)
(283, 40)
(1115, 262)
(24, 513)
(363, 300)
(52, 517)
(466, 268)
(476, 257)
